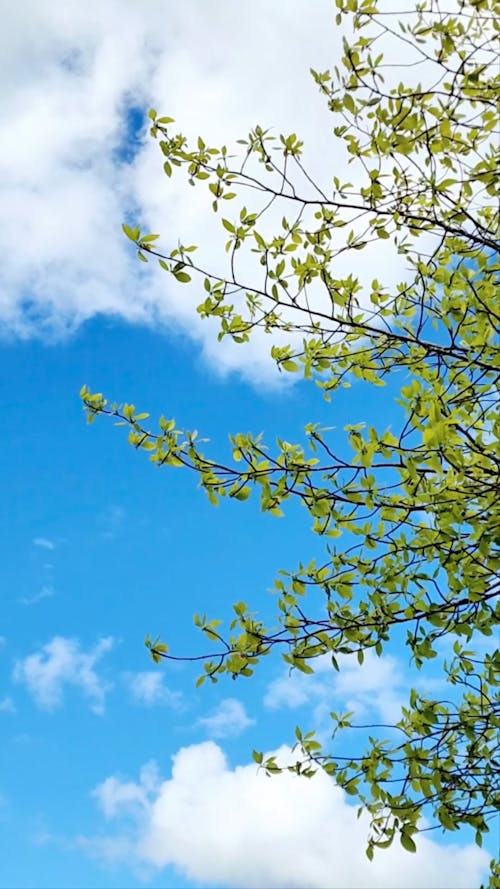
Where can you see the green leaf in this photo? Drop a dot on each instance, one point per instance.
(407, 842)
(132, 234)
(349, 103)
(243, 493)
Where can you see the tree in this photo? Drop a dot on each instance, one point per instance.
(409, 516)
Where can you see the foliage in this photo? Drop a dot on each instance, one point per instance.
(409, 517)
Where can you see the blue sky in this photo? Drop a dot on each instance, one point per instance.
(114, 772)
(101, 548)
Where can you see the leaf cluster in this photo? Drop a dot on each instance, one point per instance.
(409, 516)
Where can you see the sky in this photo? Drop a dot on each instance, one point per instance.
(115, 772)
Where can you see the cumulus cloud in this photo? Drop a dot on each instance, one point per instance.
(235, 827)
(73, 169)
(114, 794)
(62, 663)
(229, 719)
(148, 688)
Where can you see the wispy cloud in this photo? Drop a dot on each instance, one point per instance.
(229, 719)
(233, 826)
(44, 543)
(46, 592)
(110, 521)
(62, 663)
(7, 705)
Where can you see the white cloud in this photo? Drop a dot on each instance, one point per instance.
(44, 542)
(114, 794)
(62, 663)
(229, 719)
(235, 827)
(148, 688)
(66, 189)
(379, 686)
